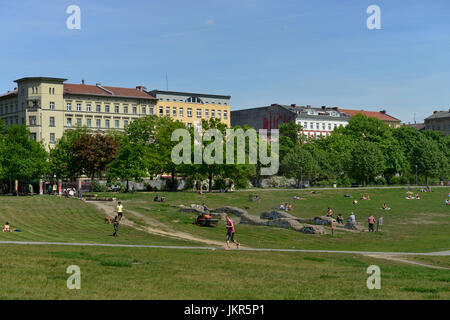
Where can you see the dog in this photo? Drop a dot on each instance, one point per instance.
(108, 219)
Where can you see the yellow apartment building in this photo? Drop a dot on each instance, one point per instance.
(49, 106)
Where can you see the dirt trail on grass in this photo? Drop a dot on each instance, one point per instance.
(153, 226)
(399, 259)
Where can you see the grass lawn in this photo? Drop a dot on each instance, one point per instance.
(50, 218)
(39, 272)
(410, 226)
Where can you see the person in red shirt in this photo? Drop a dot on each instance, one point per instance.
(230, 233)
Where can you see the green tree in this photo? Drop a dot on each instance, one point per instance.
(367, 161)
(21, 158)
(430, 160)
(61, 160)
(93, 153)
(299, 164)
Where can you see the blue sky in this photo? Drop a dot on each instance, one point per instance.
(258, 51)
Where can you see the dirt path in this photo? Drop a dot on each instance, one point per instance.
(153, 226)
(400, 259)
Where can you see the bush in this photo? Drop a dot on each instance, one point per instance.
(380, 181)
(344, 182)
(219, 183)
(398, 180)
(98, 187)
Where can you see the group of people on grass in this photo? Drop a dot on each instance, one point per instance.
(286, 207)
(352, 219)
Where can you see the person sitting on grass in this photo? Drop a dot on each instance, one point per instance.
(163, 199)
(340, 219)
(385, 207)
(447, 202)
(352, 218)
(156, 199)
(363, 197)
(6, 228)
(329, 212)
(355, 201)
(417, 196)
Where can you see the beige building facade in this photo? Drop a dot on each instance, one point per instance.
(49, 106)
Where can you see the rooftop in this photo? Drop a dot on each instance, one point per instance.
(381, 115)
(439, 115)
(105, 91)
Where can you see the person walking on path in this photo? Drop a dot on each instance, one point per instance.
(119, 210)
(116, 226)
(379, 223)
(371, 223)
(230, 233)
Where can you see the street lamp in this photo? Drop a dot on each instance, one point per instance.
(301, 177)
(416, 174)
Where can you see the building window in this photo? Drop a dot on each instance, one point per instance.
(52, 106)
(189, 125)
(219, 114)
(134, 110)
(174, 111)
(150, 110)
(69, 106)
(107, 124)
(225, 114)
(78, 122)
(69, 122)
(189, 112)
(213, 113)
(52, 121)
(116, 124)
(323, 126)
(125, 109)
(125, 123)
(107, 109)
(199, 113)
(88, 107)
(32, 120)
(49, 90)
(78, 106)
(206, 113)
(52, 138)
(167, 111)
(98, 108)
(161, 111)
(89, 123)
(181, 112)
(33, 136)
(116, 109)
(144, 111)
(98, 123)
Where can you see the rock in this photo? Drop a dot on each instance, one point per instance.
(231, 210)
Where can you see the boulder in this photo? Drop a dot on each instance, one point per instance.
(231, 210)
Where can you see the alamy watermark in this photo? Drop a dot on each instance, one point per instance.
(374, 20)
(213, 152)
(74, 280)
(74, 20)
(374, 280)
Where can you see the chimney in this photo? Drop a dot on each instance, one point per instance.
(324, 107)
(82, 81)
(141, 88)
(98, 84)
(383, 111)
(293, 105)
(434, 112)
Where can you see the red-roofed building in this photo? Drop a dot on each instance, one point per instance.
(49, 106)
(381, 115)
